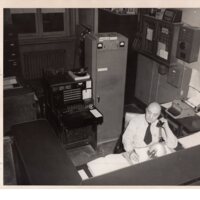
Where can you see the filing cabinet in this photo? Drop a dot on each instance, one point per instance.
(106, 59)
(154, 85)
(11, 51)
(125, 24)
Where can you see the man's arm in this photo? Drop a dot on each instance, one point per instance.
(168, 136)
(129, 136)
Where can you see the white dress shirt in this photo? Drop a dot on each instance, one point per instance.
(134, 134)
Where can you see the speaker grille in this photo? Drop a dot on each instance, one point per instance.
(72, 95)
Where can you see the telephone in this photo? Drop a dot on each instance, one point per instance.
(180, 109)
(160, 123)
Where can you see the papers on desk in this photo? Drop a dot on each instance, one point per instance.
(9, 80)
(194, 101)
(114, 162)
(96, 113)
(83, 174)
(10, 83)
(190, 140)
(107, 164)
(167, 105)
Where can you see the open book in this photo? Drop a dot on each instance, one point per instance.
(114, 162)
(107, 164)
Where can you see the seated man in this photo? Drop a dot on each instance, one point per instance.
(141, 138)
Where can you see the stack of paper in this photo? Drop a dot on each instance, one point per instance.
(190, 140)
(107, 164)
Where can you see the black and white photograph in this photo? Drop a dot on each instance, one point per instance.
(101, 96)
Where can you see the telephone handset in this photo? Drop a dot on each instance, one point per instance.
(160, 123)
(160, 126)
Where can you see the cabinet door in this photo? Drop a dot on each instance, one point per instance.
(176, 88)
(146, 78)
(110, 86)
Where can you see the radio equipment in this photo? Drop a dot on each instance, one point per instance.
(159, 39)
(63, 93)
(70, 109)
(188, 44)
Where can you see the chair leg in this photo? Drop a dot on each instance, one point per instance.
(119, 148)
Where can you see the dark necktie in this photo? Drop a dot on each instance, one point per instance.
(148, 137)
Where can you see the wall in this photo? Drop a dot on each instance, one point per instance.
(191, 16)
(43, 50)
(89, 18)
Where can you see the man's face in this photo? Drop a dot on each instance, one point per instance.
(152, 114)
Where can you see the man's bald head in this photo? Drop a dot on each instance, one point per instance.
(152, 112)
(154, 107)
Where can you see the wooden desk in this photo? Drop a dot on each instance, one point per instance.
(46, 163)
(189, 125)
(44, 159)
(178, 168)
(183, 126)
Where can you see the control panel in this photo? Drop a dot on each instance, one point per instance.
(160, 39)
(69, 108)
(108, 41)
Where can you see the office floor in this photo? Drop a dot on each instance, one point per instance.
(82, 155)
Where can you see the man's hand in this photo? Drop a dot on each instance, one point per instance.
(163, 121)
(133, 156)
(152, 153)
(157, 150)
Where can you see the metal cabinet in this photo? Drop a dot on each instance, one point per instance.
(106, 57)
(125, 24)
(156, 82)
